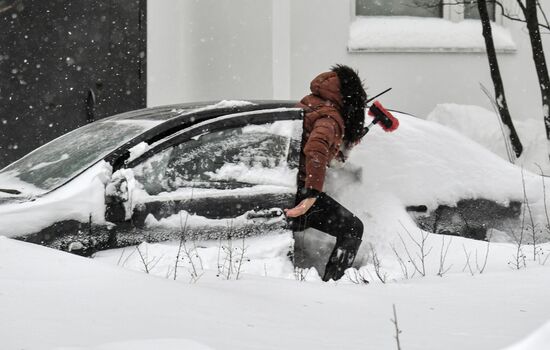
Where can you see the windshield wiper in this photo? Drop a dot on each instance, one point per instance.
(10, 191)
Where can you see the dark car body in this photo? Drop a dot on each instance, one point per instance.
(203, 170)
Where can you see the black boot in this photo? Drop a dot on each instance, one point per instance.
(342, 258)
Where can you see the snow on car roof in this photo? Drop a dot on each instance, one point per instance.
(168, 112)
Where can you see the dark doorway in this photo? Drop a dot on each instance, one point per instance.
(64, 63)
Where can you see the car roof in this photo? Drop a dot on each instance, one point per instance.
(191, 110)
(180, 116)
(163, 121)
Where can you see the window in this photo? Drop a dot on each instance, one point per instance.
(63, 158)
(416, 8)
(419, 8)
(471, 11)
(232, 158)
(423, 26)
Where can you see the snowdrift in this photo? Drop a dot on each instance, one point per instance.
(51, 300)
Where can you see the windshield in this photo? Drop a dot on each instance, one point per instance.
(61, 159)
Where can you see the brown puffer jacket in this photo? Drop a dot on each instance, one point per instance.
(323, 130)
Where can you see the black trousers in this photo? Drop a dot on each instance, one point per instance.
(328, 216)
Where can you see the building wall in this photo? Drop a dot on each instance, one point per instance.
(165, 42)
(209, 50)
(419, 80)
(247, 49)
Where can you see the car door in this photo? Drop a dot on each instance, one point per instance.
(225, 178)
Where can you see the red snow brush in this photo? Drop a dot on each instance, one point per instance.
(381, 115)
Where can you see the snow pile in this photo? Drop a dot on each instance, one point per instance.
(140, 196)
(280, 175)
(137, 151)
(426, 163)
(10, 181)
(262, 256)
(410, 33)
(73, 303)
(539, 340)
(221, 104)
(125, 187)
(288, 128)
(422, 163)
(230, 104)
(145, 344)
(184, 219)
(79, 200)
(483, 126)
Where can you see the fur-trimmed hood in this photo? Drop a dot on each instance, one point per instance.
(354, 100)
(327, 86)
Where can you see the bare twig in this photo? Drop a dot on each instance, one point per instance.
(443, 257)
(192, 253)
(482, 268)
(168, 272)
(228, 262)
(378, 265)
(421, 248)
(149, 265)
(545, 260)
(505, 138)
(143, 261)
(532, 226)
(519, 257)
(234, 257)
(183, 227)
(300, 273)
(220, 266)
(397, 330)
(467, 261)
(240, 259)
(542, 175)
(505, 12)
(402, 264)
(128, 257)
(195, 276)
(121, 256)
(356, 276)
(196, 250)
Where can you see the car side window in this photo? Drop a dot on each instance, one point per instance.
(230, 158)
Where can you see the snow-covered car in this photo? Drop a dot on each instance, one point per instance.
(226, 170)
(213, 170)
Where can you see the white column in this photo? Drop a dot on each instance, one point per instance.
(165, 62)
(281, 49)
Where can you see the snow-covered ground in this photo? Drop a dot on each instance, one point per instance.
(54, 300)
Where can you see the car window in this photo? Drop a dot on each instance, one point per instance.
(59, 160)
(231, 158)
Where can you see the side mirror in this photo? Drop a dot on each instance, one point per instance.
(116, 199)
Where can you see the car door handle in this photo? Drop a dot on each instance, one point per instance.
(265, 213)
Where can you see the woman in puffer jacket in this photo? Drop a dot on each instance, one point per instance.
(333, 124)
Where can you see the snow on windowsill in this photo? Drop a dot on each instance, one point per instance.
(414, 34)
